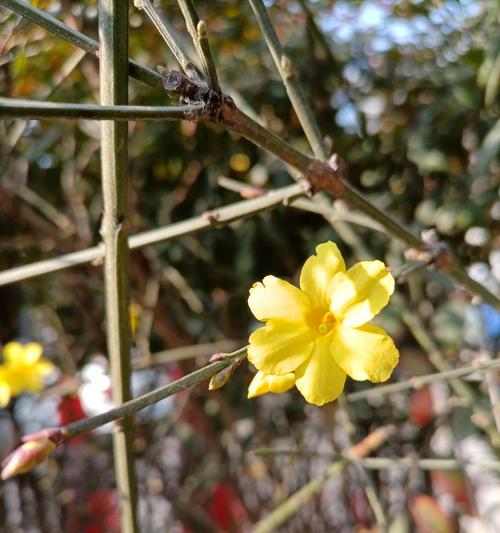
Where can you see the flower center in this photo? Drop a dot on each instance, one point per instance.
(326, 324)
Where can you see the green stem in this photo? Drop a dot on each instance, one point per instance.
(419, 381)
(317, 33)
(187, 352)
(290, 81)
(207, 57)
(211, 219)
(365, 478)
(480, 417)
(198, 32)
(326, 210)
(293, 504)
(133, 406)
(113, 68)
(78, 39)
(157, 20)
(14, 107)
(380, 463)
(297, 500)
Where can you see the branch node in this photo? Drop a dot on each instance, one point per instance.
(286, 66)
(214, 218)
(326, 176)
(305, 186)
(434, 253)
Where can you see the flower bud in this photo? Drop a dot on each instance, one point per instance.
(26, 457)
(35, 449)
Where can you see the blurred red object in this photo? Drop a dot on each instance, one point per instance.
(226, 508)
(453, 482)
(429, 517)
(70, 410)
(100, 514)
(422, 406)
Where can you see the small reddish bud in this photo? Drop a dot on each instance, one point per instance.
(56, 435)
(26, 457)
(219, 356)
(252, 192)
(35, 449)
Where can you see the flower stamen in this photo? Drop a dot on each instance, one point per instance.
(327, 323)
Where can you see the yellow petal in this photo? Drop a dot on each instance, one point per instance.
(5, 392)
(16, 379)
(366, 352)
(320, 379)
(318, 271)
(276, 298)
(360, 293)
(33, 383)
(44, 367)
(4, 395)
(13, 352)
(33, 376)
(264, 383)
(280, 347)
(32, 353)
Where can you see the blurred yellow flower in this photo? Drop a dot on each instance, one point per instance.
(135, 313)
(23, 369)
(316, 335)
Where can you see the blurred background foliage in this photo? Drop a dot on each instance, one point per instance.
(407, 93)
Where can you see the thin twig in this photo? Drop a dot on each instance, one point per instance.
(292, 86)
(113, 33)
(206, 54)
(493, 388)
(380, 463)
(216, 218)
(133, 406)
(324, 209)
(364, 477)
(309, 125)
(17, 129)
(297, 500)
(187, 352)
(51, 24)
(481, 417)
(317, 33)
(60, 220)
(419, 381)
(157, 19)
(198, 32)
(15, 107)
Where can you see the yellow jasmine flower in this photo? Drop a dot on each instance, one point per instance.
(23, 370)
(316, 335)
